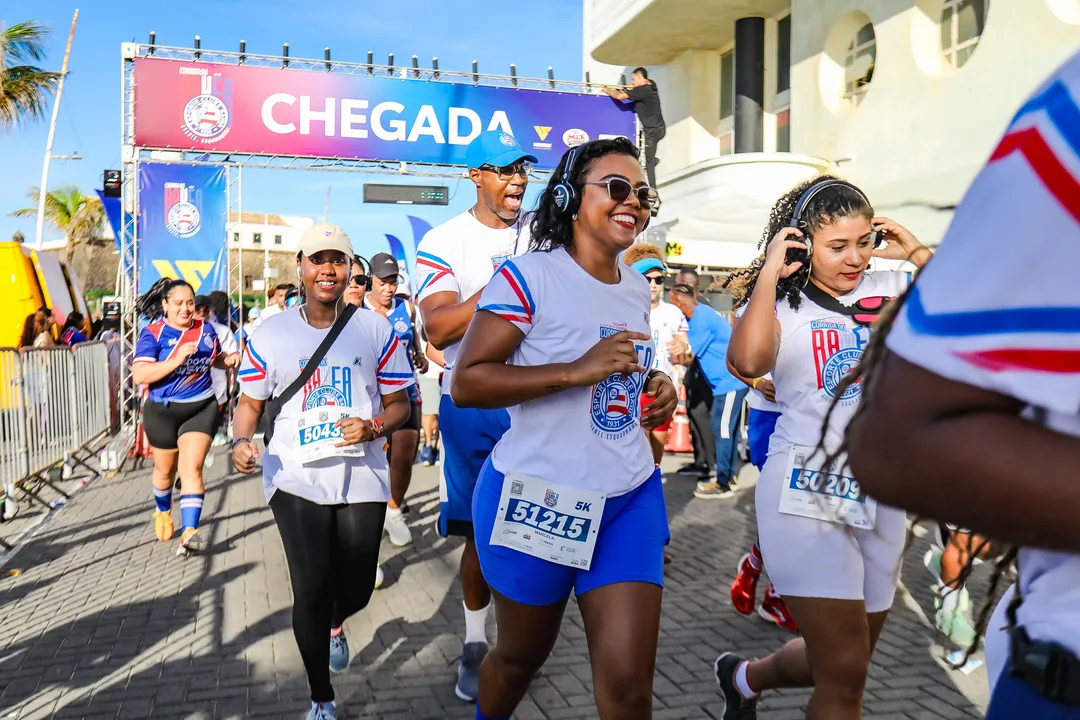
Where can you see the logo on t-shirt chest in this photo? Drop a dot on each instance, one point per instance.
(837, 349)
(615, 402)
(329, 385)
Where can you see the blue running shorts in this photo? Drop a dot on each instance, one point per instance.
(1013, 699)
(629, 547)
(759, 428)
(468, 437)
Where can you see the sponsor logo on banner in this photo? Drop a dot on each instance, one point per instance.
(574, 137)
(182, 216)
(542, 132)
(207, 117)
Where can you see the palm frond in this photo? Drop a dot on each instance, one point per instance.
(25, 92)
(23, 41)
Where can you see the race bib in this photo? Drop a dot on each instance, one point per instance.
(825, 494)
(317, 437)
(550, 522)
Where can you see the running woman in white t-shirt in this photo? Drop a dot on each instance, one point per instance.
(977, 394)
(833, 554)
(325, 469)
(454, 262)
(570, 500)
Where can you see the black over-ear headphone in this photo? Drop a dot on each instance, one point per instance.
(564, 195)
(799, 223)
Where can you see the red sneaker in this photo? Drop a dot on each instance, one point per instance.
(744, 589)
(775, 610)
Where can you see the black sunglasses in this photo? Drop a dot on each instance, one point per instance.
(656, 279)
(360, 280)
(507, 172)
(619, 189)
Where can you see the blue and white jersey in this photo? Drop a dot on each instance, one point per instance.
(999, 307)
(72, 337)
(460, 256)
(366, 362)
(191, 381)
(400, 319)
(584, 437)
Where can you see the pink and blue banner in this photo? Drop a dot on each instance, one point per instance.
(269, 111)
(182, 217)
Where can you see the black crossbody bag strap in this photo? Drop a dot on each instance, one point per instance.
(826, 301)
(274, 404)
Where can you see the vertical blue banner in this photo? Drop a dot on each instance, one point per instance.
(182, 219)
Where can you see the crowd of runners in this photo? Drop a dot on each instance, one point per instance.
(538, 358)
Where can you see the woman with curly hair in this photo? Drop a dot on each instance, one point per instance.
(832, 554)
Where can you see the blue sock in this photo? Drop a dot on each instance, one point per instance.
(482, 716)
(163, 499)
(190, 510)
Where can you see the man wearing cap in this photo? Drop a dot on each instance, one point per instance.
(383, 299)
(454, 263)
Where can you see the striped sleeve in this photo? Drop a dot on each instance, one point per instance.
(146, 348)
(997, 307)
(253, 374)
(393, 371)
(508, 296)
(434, 267)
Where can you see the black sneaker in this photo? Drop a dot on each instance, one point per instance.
(736, 707)
(692, 469)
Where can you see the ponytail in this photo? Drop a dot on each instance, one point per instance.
(148, 306)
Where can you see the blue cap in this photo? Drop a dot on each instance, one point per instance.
(496, 148)
(646, 264)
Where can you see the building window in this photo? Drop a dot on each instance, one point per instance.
(962, 23)
(277, 239)
(256, 238)
(727, 143)
(783, 130)
(236, 238)
(727, 84)
(247, 282)
(859, 63)
(783, 54)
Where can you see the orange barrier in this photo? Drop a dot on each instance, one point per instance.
(679, 436)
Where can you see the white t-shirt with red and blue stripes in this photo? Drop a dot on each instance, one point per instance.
(460, 256)
(999, 307)
(584, 437)
(366, 362)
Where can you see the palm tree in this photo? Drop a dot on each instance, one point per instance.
(79, 216)
(24, 88)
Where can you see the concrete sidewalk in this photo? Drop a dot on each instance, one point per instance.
(104, 621)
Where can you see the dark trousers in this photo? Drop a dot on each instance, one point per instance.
(699, 400)
(652, 138)
(332, 552)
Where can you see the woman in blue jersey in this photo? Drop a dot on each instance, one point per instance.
(324, 470)
(71, 334)
(383, 300)
(173, 356)
(570, 499)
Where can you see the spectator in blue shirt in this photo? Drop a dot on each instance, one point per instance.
(71, 334)
(709, 337)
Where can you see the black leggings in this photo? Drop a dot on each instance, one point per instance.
(332, 551)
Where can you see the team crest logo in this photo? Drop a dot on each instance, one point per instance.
(551, 498)
(400, 326)
(182, 216)
(207, 118)
(325, 395)
(615, 401)
(836, 368)
(507, 139)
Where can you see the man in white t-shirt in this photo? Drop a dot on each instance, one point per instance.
(972, 415)
(454, 263)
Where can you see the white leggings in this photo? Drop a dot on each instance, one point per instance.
(818, 559)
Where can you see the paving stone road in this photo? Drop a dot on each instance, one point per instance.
(105, 622)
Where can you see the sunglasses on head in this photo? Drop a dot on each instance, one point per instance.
(507, 172)
(619, 189)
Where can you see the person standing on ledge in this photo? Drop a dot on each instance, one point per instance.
(646, 99)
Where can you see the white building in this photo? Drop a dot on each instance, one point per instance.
(268, 232)
(905, 98)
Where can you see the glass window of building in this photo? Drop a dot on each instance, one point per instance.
(277, 239)
(257, 238)
(783, 54)
(727, 84)
(783, 130)
(962, 23)
(236, 238)
(859, 63)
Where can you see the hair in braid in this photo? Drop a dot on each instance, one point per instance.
(866, 372)
(826, 207)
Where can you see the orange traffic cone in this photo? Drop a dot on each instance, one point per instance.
(679, 435)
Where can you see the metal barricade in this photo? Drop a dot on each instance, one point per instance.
(48, 386)
(92, 399)
(13, 451)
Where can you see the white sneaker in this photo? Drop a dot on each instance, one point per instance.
(395, 527)
(378, 576)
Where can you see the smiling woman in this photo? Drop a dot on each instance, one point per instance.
(562, 339)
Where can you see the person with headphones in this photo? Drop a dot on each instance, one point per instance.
(454, 263)
(328, 382)
(570, 499)
(831, 551)
(359, 282)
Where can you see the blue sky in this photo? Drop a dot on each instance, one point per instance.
(532, 35)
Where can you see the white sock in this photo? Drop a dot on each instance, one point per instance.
(742, 682)
(475, 624)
